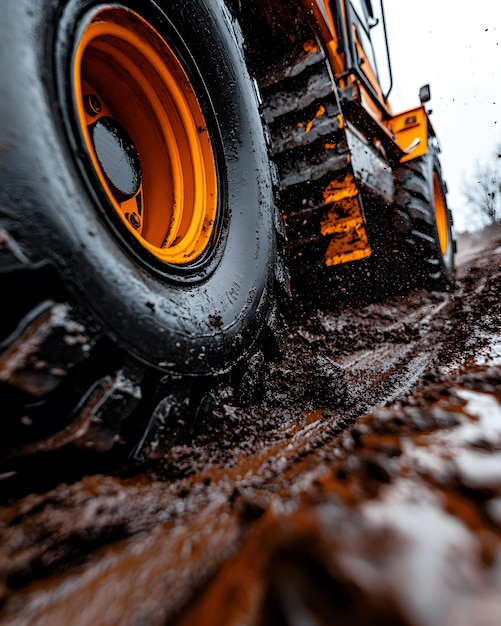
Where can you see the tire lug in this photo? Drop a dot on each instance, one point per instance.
(92, 104)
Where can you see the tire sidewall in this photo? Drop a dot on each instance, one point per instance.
(197, 322)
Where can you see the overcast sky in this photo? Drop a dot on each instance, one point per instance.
(456, 47)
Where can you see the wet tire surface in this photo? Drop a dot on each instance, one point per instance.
(364, 488)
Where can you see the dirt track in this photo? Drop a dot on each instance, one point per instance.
(365, 489)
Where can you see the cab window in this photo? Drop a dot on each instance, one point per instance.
(361, 34)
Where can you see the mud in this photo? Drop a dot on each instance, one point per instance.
(364, 489)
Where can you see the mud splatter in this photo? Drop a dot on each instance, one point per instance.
(364, 488)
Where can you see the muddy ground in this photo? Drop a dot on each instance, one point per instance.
(364, 489)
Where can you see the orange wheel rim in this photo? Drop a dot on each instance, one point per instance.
(159, 174)
(440, 215)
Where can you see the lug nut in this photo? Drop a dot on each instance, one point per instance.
(92, 104)
(134, 220)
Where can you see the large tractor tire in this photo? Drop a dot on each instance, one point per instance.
(138, 228)
(422, 206)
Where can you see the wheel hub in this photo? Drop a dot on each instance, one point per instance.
(118, 158)
(146, 137)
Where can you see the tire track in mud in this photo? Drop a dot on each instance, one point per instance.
(402, 526)
(344, 476)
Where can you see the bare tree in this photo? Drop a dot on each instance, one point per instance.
(484, 191)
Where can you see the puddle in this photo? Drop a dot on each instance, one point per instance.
(487, 408)
(492, 354)
(435, 561)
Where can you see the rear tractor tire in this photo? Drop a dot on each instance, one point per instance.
(422, 206)
(137, 220)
